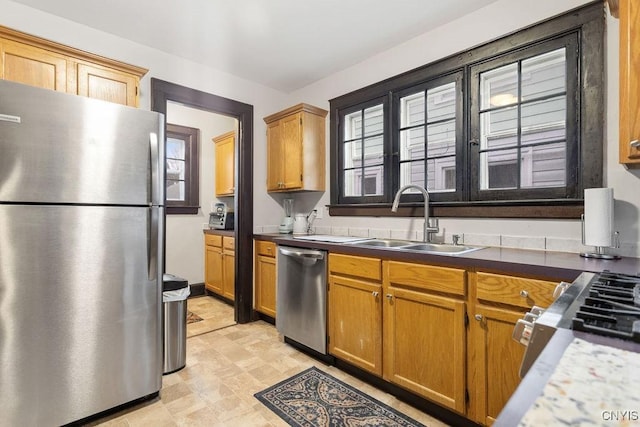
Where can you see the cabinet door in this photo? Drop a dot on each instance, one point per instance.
(213, 269)
(229, 277)
(107, 85)
(275, 157)
(266, 285)
(33, 66)
(291, 135)
(424, 347)
(225, 166)
(355, 322)
(496, 358)
(629, 82)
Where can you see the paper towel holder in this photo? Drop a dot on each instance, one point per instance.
(601, 251)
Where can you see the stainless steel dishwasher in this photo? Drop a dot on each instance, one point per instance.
(301, 298)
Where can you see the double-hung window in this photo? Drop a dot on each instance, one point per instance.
(510, 128)
(181, 174)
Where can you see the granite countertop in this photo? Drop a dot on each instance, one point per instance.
(578, 379)
(543, 264)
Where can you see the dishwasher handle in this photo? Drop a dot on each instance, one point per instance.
(302, 253)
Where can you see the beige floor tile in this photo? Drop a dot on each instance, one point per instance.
(224, 369)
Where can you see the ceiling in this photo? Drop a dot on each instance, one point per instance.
(283, 44)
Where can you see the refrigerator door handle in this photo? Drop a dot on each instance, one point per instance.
(154, 182)
(152, 239)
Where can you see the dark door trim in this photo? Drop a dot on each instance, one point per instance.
(161, 92)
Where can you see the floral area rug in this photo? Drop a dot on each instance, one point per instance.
(192, 317)
(315, 398)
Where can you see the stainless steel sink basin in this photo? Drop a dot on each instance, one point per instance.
(441, 248)
(384, 243)
(411, 246)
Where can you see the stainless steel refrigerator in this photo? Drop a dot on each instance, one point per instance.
(81, 220)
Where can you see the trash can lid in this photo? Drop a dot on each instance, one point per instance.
(172, 283)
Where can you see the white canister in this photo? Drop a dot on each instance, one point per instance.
(300, 224)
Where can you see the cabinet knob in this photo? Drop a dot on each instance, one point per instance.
(389, 297)
(524, 294)
(635, 143)
(375, 294)
(479, 317)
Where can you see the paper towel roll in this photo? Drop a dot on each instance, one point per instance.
(598, 217)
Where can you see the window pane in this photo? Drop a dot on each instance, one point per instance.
(499, 87)
(352, 183)
(441, 139)
(175, 169)
(373, 150)
(543, 166)
(352, 156)
(544, 75)
(441, 102)
(175, 148)
(372, 181)
(412, 110)
(412, 144)
(175, 190)
(441, 174)
(544, 117)
(353, 126)
(373, 121)
(499, 128)
(412, 173)
(499, 169)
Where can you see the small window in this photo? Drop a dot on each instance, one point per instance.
(182, 177)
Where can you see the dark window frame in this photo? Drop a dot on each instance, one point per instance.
(191, 137)
(587, 23)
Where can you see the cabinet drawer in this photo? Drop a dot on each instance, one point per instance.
(516, 291)
(427, 277)
(265, 248)
(229, 242)
(213, 240)
(368, 268)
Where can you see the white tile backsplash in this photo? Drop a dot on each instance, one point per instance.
(481, 239)
(523, 242)
(379, 233)
(339, 231)
(564, 245)
(404, 234)
(358, 232)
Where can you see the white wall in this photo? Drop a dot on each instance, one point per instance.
(184, 247)
(493, 21)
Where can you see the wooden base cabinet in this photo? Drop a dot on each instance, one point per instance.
(494, 358)
(355, 311)
(219, 266)
(265, 278)
(424, 331)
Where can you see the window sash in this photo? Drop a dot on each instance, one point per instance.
(187, 182)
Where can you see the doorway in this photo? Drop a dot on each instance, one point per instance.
(163, 92)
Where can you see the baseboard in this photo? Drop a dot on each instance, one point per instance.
(197, 289)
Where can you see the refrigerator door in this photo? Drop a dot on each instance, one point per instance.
(80, 311)
(61, 148)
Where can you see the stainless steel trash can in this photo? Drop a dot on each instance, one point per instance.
(175, 291)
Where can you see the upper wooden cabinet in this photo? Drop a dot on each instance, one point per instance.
(225, 163)
(38, 62)
(296, 149)
(630, 82)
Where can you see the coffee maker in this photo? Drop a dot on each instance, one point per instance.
(286, 226)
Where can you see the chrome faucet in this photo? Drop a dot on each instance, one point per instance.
(428, 229)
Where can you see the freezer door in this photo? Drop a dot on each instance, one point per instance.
(80, 311)
(62, 148)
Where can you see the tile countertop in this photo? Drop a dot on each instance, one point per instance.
(578, 379)
(543, 264)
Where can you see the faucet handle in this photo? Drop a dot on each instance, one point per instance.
(455, 238)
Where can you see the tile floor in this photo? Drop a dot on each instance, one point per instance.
(215, 314)
(224, 369)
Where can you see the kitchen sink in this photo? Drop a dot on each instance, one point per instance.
(385, 243)
(441, 248)
(412, 246)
